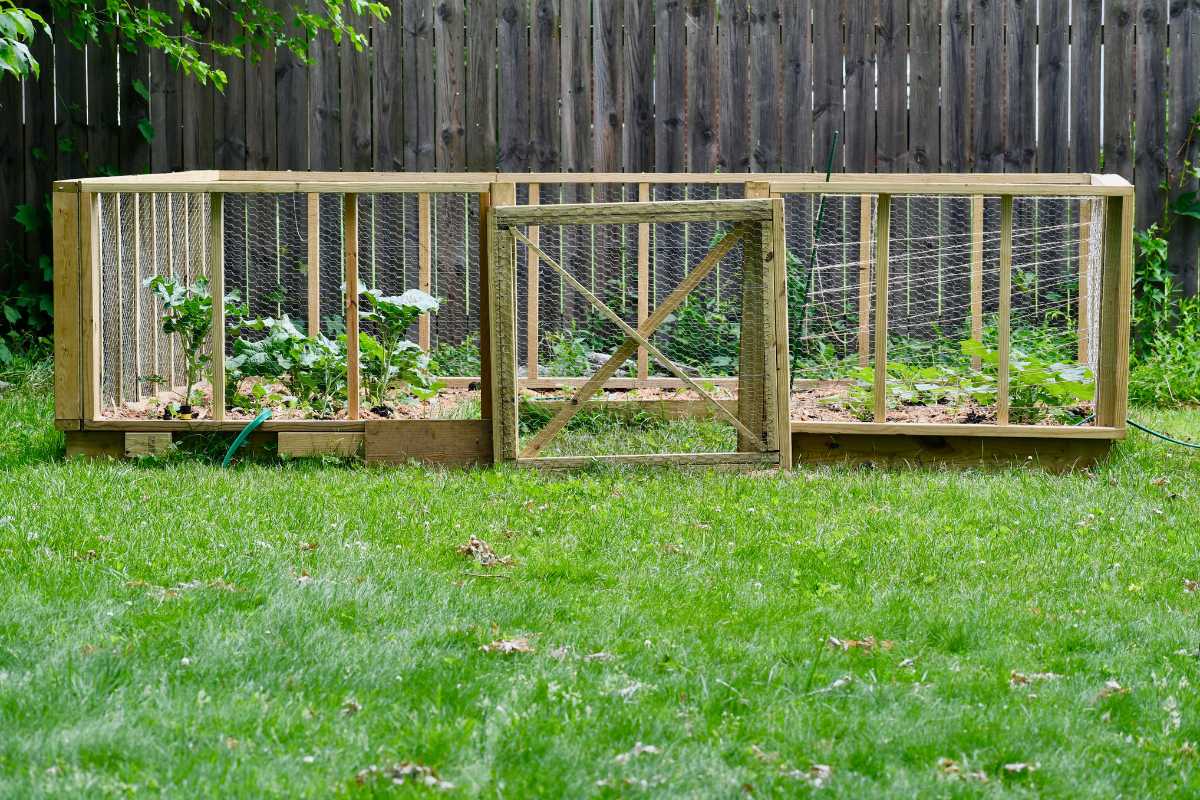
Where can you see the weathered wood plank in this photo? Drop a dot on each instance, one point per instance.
(956, 86)
(796, 100)
(303, 444)
(637, 137)
(882, 238)
(765, 82)
(450, 147)
(138, 445)
(987, 130)
(512, 55)
(670, 48)
(1054, 153)
(166, 96)
(387, 91)
(1087, 19)
(961, 451)
(262, 129)
(420, 120)
(733, 148)
(892, 53)
(608, 65)
(70, 128)
(860, 86)
(1021, 68)
(628, 213)
(229, 105)
(68, 339)
(482, 23)
(544, 132)
(355, 114)
(291, 105)
(461, 442)
(925, 65)
(575, 87)
(1150, 146)
(1003, 321)
(1118, 87)
(1183, 143)
(828, 103)
(703, 86)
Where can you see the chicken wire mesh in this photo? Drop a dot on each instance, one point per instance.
(574, 338)
(943, 304)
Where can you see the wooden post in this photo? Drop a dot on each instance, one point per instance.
(314, 263)
(350, 251)
(864, 280)
(884, 212)
(1004, 328)
(533, 281)
(136, 284)
(503, 345)
(68, 312)
(89, 272)
(752, 357)
(976, 274)
(424, 263)
(485, 311)
(216, 283)
(1085, 223)
(1112, 378)
(643, 280)
(777, 266)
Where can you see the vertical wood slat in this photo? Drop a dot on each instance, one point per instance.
(229, 106)
(387, 43)
(70, 94)
(12, 160)
(262, 128)
(292, 104)
(860, 86)
(533, 289)
(637, 137)
(796, 89)
(956, 85)
(450, 145)
(480, 117)
(216, 278)
(733, 38)
(891, 146)
(989, 79)
(325, 107)
(828, 103)
(1021, 69)
(643, 281)
(1004, 328)
(1150, 147)
(355, 102)
(350, 260)
(1087, 18)
(575, 87)
(608, 64)
(544, 68)
(765, 81)
(424, 263)
(882, 239)
(1183, 145)
(512, 54)
(864, 280)
(89, 275)
(925, 77)
(486, 200)
(669, 110)
(976, 275)
(752, 356)
(1082, 326)
(68, 344)
(1118, 87)
(1112, 377)
(703, 86)
(313, 240)
(420, 122)
(500, 390)
(777, 260)
(1054, 88)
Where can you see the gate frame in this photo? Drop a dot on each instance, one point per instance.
(763, 401)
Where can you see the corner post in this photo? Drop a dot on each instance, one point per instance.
(216, 283)
(314, 263)
(1004, 324)
(499, 390)
(1112, 379)
(350, 251)
(882, 237)
(68, 309)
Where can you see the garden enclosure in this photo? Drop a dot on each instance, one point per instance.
(1003, 300)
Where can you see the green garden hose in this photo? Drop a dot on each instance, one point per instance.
(244, 435)
(1144, 429)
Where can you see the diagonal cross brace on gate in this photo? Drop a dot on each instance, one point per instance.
(633, 338)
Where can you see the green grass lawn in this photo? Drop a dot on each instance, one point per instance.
(277, 629)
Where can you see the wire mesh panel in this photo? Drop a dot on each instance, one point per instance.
(958, 274)
(588, 401)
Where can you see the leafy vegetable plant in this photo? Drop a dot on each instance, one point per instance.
(187, 314)
(387, 355)
(311, 368)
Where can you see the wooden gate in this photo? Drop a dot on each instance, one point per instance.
(748, 231)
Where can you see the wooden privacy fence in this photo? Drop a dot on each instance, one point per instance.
(637, 85)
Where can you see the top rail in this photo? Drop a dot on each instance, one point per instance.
(955, 187)
(619, 213)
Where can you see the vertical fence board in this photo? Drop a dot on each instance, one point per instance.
(796, 90)
(765, 82)
(291, 106)
(608, 64)
(448, 36)
(860, 86)
(12, 171)
(576, 86)
(956, 85)
(387, 93)
(1150, 147)
(325, 106)
(197, 111)
(1183, 145)
(1053, 88)
(419, 120)
(261, 121)
(512, 55)
(987, 145)
(892, 54)
(637, 138)
(543, 87)
(733, 37)
(1118, 87)
(1021, 68)
(70, 131)
(669, 48)
(702, 85)
(925, 78)
(828, 105)
(166, 90)
(229, 106)
(1087, 17)
(355, 111)
(481, 86)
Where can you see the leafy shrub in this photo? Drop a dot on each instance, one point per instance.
(388, 356)
(1167, 373)
(1154, 292)
(457, 359)
(568, 353)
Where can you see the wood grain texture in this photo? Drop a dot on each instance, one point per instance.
(420, 119)
(703, 86)
(357, 138)
(1087, 19)
(544, 69)
(1020, 145)
(828, 102)
(229, 108)
(1119, 16)
(860, 86)
(291, 105)
(670, 65)
(765, 81)
(480, 115)
(324, 105)
(925, 78)
(575, 87)
(262, 128)
(387, 93)
(608, 64)
(796, 89)
(1183, 145)
(70, 113)
(987, 70)
(956, 86)
(448, 442)
(1054, 152)
(302, 444)
(733, 42)
(450, 147)
(898, 450)
(512, 58)
(140, 445)
(68, 338)
(891, 146)
(1150, 147)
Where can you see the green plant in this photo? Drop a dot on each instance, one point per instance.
(568, 353)
(311, 368)
(705, 333)
(1035, 384)
(187, 314)
(1167, 372)
(387, 356)
(456, 359)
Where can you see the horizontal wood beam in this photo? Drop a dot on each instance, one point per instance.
(631, 213)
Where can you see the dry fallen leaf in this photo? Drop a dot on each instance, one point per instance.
(1113, 688)
(599, 656)
(638, 749)
(1020, 766)
(763, 755)
(351, 707)
(1016, 679)
(482, 552)
(506, 646)
(402, 773)
(308, 546)
(952, 769)
(1190, 585)
(908, 663)
(866, 644)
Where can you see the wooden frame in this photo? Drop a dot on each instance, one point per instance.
(761, 425)
(78, 287)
